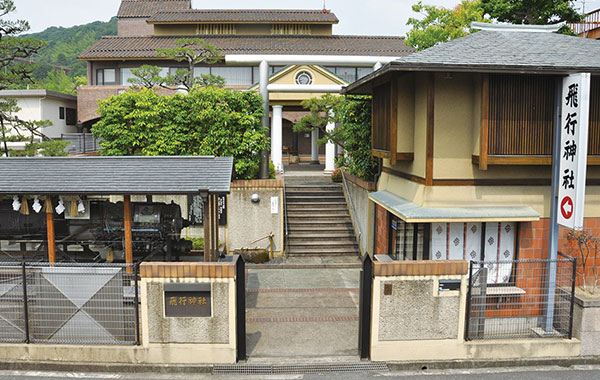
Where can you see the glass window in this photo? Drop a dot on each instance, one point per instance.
(199, 71)
(234, 76)
(364, 71)
(348, 74)
(110, 76)
(125, 76)
(408, 240)
(99, 77)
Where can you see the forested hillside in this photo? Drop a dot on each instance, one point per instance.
(66, 44)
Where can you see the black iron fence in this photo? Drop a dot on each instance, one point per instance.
(69, 303)
(520, 299)
(80, 143)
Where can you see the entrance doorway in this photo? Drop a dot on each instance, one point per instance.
(302, 312)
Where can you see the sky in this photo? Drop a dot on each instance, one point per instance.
(374, 17)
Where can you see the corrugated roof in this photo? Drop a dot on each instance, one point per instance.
(115, 175)
(516, 50)
(413, 213)
(145, 47)
(146, 8)
(246, 16)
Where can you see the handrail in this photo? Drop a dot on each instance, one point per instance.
(591, 21)
(355, 223)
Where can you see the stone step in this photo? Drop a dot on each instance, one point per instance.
(312, 236)
(325, 245)
(319, 205)
(319, 224)
(310, 198)
(315, 214)
(306, 230)
(345, 251)
(313, 187)
(313, 193)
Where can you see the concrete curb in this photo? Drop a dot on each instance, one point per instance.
(304, 266)
(103, 367)
(474, 364)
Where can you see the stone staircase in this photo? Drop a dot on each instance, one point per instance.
(318, 221)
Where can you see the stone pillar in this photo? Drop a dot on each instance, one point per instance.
(314, 148)
(264, 93)
(330, 152)
(276, 137)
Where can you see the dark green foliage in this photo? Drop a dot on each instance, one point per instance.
(535, 12)
(66, 44)
(207, 121)
(353, 131)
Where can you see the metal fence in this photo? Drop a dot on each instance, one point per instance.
(69, 303)
(80, 143)
(521, 304)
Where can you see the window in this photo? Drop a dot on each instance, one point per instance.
(304, 78)
(408, 241)
(348, 74)
(71, 116)
(362, 72)
(61, 113)
(465, 241)
(298, 29)
(227, 29)
(234, 76)
(272, 70)
(125, 76)
(520, 109)
(105, 77)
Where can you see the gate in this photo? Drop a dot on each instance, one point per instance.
(69, 303)
(509, 299)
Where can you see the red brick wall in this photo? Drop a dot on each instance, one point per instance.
(533, 243)
(382, 226)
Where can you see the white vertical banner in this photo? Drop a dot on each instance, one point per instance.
(573, 150)
(439, 240)
(456, 245)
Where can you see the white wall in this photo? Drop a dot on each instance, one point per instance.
(50, 112)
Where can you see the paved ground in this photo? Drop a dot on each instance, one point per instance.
(302, 312)
(536, 373)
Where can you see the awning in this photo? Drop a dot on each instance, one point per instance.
(412, 213)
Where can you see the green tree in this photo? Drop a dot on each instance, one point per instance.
(149, 76)
(534, 12)
(206, 121)
(59, 81)
(15, 69)
(352, 115)
(439, 24)
(192, 51)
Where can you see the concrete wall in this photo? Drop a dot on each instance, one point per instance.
(586, 324)
(247, 221)
(360, 214)
(419, 322)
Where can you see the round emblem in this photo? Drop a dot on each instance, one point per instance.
(304, 78)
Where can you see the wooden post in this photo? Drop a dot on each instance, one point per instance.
(128, 236)
(215, 226)
(205, 224)
(50, 233)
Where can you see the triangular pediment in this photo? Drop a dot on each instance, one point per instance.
(320, 76)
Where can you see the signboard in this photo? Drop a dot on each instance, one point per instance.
(274, 205)
(195, 210)
(187, 300)
(573, 150)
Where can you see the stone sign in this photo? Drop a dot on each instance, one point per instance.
(188, 300)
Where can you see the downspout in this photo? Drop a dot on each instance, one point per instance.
(376, 179)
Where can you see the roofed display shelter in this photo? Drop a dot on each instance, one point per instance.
(62, 201)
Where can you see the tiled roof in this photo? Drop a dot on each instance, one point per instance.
(510, 49)
(246, 16)
(145, 47)
(115, 175)
(146, 8)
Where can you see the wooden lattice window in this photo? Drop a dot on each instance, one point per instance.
(300, 29)
(520, 118)
(227, 29)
